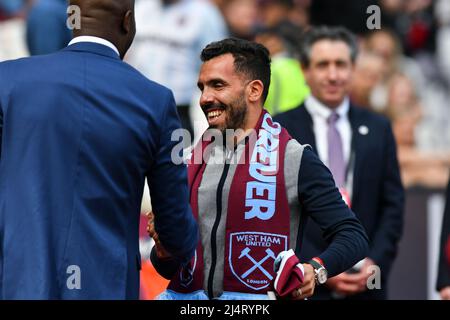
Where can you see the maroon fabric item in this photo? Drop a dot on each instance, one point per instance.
(290, 274)
(252, 244)
(257, 227)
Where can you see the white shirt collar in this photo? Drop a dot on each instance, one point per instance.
(315, 107)
(95, 40)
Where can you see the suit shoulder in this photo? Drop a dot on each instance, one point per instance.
(8, 64)
(150, 85)
(14, 69)
(28, 63)
(284, 116)
(289, 119)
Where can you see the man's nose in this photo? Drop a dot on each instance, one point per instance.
(206, 98)
(332, 73)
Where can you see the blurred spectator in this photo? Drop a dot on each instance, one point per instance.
(390, 10)
(12, 8)
(442, 12)
(12, 29)
(413, 21)
(300, 14)
(272, 12)
(241, 17)
(47, 31)
(349, 13)
(433, 131)
(288, 88)
(385, 44)
(418, 167)
(368, 74)
(170, 36)
(402, 99)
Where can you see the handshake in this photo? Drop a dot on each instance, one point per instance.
(160, 251)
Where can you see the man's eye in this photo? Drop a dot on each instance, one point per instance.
(218, 85)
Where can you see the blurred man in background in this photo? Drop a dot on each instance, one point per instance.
(359, 148)
(47, 31)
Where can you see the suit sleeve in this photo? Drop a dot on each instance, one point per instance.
(1, 128)
(1, 113)
(174, 222)
(443, 279)
(321, 200)
(388, 232)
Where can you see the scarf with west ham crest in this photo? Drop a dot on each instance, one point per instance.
(257, 225)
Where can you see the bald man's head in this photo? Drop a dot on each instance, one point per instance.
(112, 20)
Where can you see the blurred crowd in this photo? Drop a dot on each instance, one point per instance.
(403, 69)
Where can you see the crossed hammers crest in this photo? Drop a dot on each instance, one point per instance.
(256, 264)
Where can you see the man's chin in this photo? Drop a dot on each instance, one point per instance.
(334, 102)
(217, 127)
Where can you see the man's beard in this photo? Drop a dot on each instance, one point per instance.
(235, 114)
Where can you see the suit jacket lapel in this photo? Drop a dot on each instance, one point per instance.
(357, 147)
(306, 127)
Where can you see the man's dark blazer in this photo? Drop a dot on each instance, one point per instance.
(378, 195)
(443, 279)
(80, 130)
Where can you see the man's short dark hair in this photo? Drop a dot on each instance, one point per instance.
(250, 59)
(327, 33)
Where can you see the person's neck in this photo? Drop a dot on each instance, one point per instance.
(98, 34)
(327, 104)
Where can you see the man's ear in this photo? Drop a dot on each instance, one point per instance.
(255, 90)
(128, 22)
(305, 71)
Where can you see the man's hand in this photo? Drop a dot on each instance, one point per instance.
(306, 290)
(350, 284)
(160, 251)
(445, 293)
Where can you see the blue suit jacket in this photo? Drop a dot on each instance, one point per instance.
(378, 195)
(443, 278)
(80, 131)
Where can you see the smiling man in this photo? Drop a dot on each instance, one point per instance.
(253, 197)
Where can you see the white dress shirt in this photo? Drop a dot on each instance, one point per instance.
(320, 113)
(95, 40)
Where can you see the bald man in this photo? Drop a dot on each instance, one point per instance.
(80, 130)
